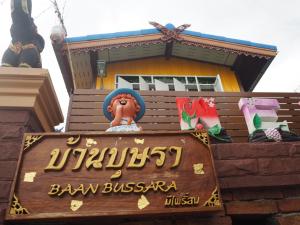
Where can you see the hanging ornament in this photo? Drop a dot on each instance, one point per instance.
(58, 34)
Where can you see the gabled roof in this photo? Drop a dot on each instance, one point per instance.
(248, 59)
(169, 26)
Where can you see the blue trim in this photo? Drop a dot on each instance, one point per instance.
(230, 40)
(169, 26)
(112, 35)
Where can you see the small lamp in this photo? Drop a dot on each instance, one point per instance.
(101, 68)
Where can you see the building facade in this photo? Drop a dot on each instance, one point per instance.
(259, 182)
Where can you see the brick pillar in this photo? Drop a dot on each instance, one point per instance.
(27, 104)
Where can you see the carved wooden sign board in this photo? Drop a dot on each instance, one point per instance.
(108, 175)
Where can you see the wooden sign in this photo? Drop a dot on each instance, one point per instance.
(113, 174)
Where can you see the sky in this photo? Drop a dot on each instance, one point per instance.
(274, 22)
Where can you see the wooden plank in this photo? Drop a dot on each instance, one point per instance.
(146, 127)
(69, 113)
(98, 112)
(293, 126)
(163, 105)
(171, 112)
(234, 126)
(238, 133)
(169, 119)
(89, 98)
(100, 98)
(232, 119)
(87, 105)
(184, 93)
(227, 94)
(289, 118)
(288, 112)
(87, 112)
(145, 119)
(290, 106)
(230, 112)
(161, 119)
(104, 126)
(239, 139)
(150, 105)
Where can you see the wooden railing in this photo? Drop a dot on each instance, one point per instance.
(85, 111)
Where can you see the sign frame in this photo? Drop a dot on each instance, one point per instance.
(19, 212)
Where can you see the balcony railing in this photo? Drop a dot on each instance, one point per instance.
(85, 112)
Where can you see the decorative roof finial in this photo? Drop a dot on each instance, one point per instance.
(170, 35)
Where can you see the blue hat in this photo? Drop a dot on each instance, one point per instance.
(116, 92)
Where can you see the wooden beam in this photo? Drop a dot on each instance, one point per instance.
(93, 62)
(169, 50)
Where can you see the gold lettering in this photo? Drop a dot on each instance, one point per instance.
(118, 188)
(82, 152)
(97, 164)
(196, 200)
(184, 201)
(91, 160)
(161, 185)
(162, 155)
(129, 187)
(113, 152)
(92, 189)
(171, 186)
(54, 156)
(139, 187)
(107, 188)
(136, 156)
(116, 158)
(169, 200)
(67, 189)
(80, 189)
(54, 189)
(176, 201)
(151, 186)
(178, 155)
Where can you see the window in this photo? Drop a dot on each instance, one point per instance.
(169, 83)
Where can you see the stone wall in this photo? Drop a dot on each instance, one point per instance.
(13, 124)
(260, 180)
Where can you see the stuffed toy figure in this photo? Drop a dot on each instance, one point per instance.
(123, 107)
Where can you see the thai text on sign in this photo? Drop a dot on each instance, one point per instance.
(96, 174)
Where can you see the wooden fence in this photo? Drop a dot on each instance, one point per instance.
(85, 110)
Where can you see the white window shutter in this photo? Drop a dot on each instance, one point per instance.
(178, 85)
(160, 86)
(144, 86)
(218, 84)
(122, 83)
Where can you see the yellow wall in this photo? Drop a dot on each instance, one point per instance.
(172, 66)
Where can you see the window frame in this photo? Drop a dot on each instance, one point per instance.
(217, 85)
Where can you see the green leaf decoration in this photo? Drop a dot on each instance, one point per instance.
(256, 121)
(186, 118)
(215, 130)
